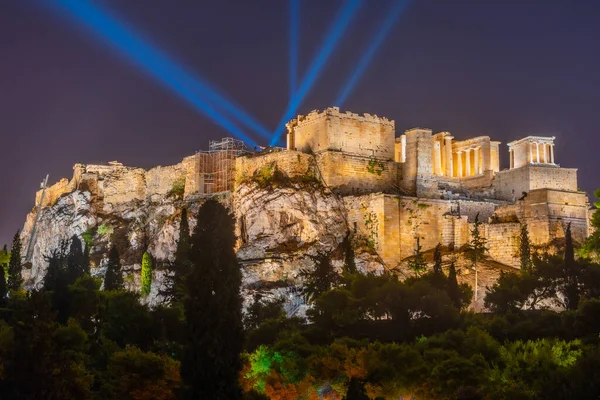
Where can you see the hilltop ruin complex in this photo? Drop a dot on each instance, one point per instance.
(391, 189)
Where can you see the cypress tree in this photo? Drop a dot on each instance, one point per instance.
(453, 289)
(3, 287)
(57, 281)
(349, 262)
(525, 250)
(211, 361)
(320, 279)
(146, 274)
(179, 269)
(15, 279)
(418, 264)
(437, 260)
(113, 279)
(75, 261)
(571, 286)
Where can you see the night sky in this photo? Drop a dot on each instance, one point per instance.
(502, 68)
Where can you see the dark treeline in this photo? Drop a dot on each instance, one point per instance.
(364, 336)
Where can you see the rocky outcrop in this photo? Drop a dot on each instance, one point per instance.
(280, 230)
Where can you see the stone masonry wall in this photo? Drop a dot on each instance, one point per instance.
(503, 242)
(351, 174)
(161, 180)
(291, 163)
(510, 184)
(365, 135)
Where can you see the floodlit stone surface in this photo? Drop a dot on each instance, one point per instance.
(342, 174)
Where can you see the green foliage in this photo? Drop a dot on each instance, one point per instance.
(262, 310)
(77, 261)
(437, 259)
(525, 250)
(15, 267)
(476, 249)
(417, 263)
(4, 257)
(375, 167)
(135, 374)
(146, 274)
(113, 278)
(3, 287)
(180, 268)
(105, 230)
(177, 189)
(591, 247)
(320, 279)
(213, 309)
(88, 237)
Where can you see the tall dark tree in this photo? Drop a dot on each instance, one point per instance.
(320, 279)
(15, 266)
(437, 260)
(211, 361)
(571, 284)
(349, 261)
(76, 261)
(418, 264)
(113, 279)
(180, 268)
(476, 251)
(525, 250)
(57, 280)
(453, 289)
(3, 287)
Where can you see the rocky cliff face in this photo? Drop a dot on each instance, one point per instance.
(279, 230)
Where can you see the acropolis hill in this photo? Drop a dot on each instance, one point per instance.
(341, 175)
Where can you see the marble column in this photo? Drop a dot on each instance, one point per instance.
(459, 164)
(476, 160)
(468, 162)
(437, 159)
(545, 146)
(449, 163)
(530, 153)
(552, 153)
(512, 158)
(403, 148)
(537, 150)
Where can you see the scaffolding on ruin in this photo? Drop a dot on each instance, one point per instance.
(215, 167)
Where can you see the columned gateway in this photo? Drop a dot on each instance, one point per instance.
(531, 150)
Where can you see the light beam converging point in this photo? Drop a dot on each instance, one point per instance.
(294, 38)
(158, 65)
(393, 15)
(335, 33)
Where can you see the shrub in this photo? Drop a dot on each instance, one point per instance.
(105, 230)
(178, 189)
(146, 274)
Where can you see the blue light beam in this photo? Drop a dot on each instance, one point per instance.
(335, 33)
(294, 38)
(393, 15)
(155, 63)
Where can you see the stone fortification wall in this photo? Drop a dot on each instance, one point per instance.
(291, 163)
(510, 184)
(352, 174)
(503, 242)
(391, 225)
(123, 185)
(547, 213)
(471, 209)
(366, 135)
(160, 181)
